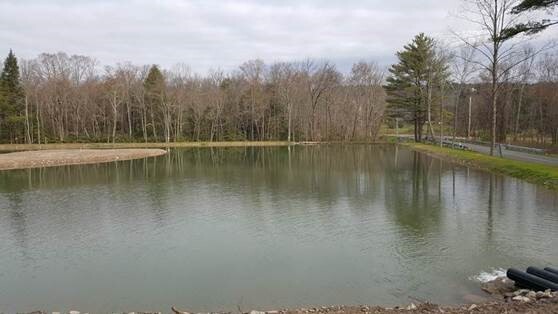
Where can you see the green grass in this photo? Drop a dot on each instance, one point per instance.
(535, 173)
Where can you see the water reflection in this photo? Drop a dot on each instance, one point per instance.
(274, 227)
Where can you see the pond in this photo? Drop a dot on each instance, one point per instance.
(264, 228)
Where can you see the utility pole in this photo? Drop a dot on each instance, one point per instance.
(442, 117)
(397, 128)
(469, 121)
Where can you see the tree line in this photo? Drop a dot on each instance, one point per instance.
(491, 87)
(62, 98)
(494, 86)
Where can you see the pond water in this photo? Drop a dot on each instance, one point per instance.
(265, 228)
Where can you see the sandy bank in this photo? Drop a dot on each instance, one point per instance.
(50, 158)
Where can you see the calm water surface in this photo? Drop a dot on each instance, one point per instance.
(214, 229)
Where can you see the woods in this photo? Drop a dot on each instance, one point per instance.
(493, 86)
(490, 87)
(62, 98)
(526, 104)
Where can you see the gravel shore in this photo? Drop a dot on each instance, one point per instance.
(544, 306)
(50, 158)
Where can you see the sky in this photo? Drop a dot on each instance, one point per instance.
(222, 34)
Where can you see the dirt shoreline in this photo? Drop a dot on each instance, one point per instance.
(63, 157)
(544, 306)
(535, 307)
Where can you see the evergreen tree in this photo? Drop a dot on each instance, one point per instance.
(526, 5)
(413, 80)
(11, 101)
(532, 27)
(154, 86)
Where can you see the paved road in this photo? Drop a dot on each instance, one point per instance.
(515, 155)
(509, 154)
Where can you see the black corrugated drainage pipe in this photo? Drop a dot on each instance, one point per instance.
(529, 281)
(543, 274)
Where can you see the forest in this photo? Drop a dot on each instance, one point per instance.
(499, 90)
(66, 98)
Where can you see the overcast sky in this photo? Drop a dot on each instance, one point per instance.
(222, 33)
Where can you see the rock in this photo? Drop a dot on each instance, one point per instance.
(272, 312)
(521, 292)
(411, 307)
(521, 298)
(55, 312)
(509, 295)
(498, 286)
(257, 312)
(531, 295)
(472, 307)
(73, 312)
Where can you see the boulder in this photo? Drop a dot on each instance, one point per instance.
(521, 298)
(498, 286)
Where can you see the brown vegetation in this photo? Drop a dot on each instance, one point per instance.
(69, 100)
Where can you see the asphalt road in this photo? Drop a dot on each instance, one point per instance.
(515, 155)
(509, 154)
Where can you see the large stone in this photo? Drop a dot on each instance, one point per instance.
(521, 298)
(531, 295)
(498, 286)
(521, 292)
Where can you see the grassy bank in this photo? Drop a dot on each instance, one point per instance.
(535, 173)
(25, 147)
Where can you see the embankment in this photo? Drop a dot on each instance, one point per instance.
(534, 173)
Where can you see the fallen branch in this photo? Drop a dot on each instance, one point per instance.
(175, 310)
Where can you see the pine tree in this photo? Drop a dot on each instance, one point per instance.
(413, 80)
(154, 86)
(526, 5)
(11, 101)
(531, 27)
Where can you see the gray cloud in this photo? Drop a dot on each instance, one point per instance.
(220, 33)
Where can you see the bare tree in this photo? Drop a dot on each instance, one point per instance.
(496, 49)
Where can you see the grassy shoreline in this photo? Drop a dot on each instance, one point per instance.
(534, 173)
